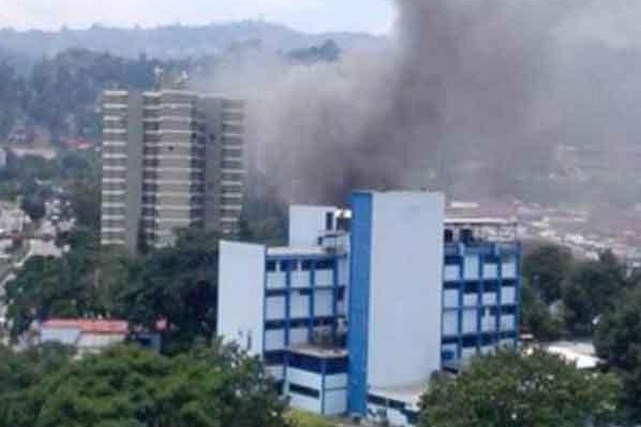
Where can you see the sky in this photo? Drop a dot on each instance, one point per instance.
(373, 16)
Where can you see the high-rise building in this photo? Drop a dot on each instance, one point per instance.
(171, 159)
(366, 304)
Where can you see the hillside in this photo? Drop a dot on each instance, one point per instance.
(171, 42)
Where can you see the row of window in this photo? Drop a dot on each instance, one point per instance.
(486, 285)
(472, 340)
(304, 391)
(304, 265)
(317, 322)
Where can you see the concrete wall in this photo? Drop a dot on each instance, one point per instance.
(404, 337)
(306, 222)
(135, 145)
(241, 293)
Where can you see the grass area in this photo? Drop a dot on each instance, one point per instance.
(305, 419)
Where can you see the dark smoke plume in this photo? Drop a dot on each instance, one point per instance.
(473, 97)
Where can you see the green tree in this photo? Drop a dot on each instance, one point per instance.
(34, 207)
(537, 317)
(84, 282)
(126, 386)
(546, 268)
(508, 389)
(20, 377)
(590, 291)
(618, 342)
(177, 284)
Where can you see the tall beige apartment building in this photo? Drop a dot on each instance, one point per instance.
(171, 159)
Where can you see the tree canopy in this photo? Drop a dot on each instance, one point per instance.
(618, 342)
(509, 389)
(213, 386)
(564, 296)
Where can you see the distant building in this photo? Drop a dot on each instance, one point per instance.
(581, 354)
(84, 335)
(171, 159)
(91, 336)
(365, 304)
(3, 157)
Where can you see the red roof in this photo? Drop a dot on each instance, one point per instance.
(91, 326)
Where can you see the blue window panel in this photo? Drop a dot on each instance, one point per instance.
(451, 285)
(274, 357)
(508, 309)
(300, 323)
(488, 339)
(376, 400)
(471, 287)
(449, 340)
(335, 366)
(304, 391)
(452, 260)
(360, 261)
(275, 292)
(470, 341)
(305, 362)
(325, 264)
(275, 324)
(448, 355)
(271, 266)
(396, 404)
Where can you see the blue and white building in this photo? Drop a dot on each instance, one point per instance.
(354, 316)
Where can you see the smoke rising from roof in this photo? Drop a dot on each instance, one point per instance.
(470, 97)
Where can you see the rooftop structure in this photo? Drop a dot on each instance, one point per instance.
(85, 335)
(366, 303)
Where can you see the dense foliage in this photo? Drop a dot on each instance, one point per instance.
(509, 389)
(176, 284)
(208, 387)
(618, 342)
(564, 296)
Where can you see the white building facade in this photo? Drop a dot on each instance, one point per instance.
(354, 316)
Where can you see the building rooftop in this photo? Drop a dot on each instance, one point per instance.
(317, 351)
(296, 251)
(92, 326)
(581, 353)
(407, 393)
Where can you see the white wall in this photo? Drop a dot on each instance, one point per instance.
(335, 402)
(323, 302)
(241, 282)
(404, 339)
(305, 403)
(66, 336)
(305, 223)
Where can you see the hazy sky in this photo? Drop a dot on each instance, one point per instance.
(374, 16)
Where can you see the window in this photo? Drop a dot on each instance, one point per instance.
(469, 341)
(471, 288)
(274, 357)
(306, 265)
(376, 400)
(452, 260)
(395, 404)
(288, 265)
(305, 362)
(271, 266)
(329, 221)
(325, 264)
(335, 366)
(304, 391)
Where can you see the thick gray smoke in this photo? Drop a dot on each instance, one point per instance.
(473, 97)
